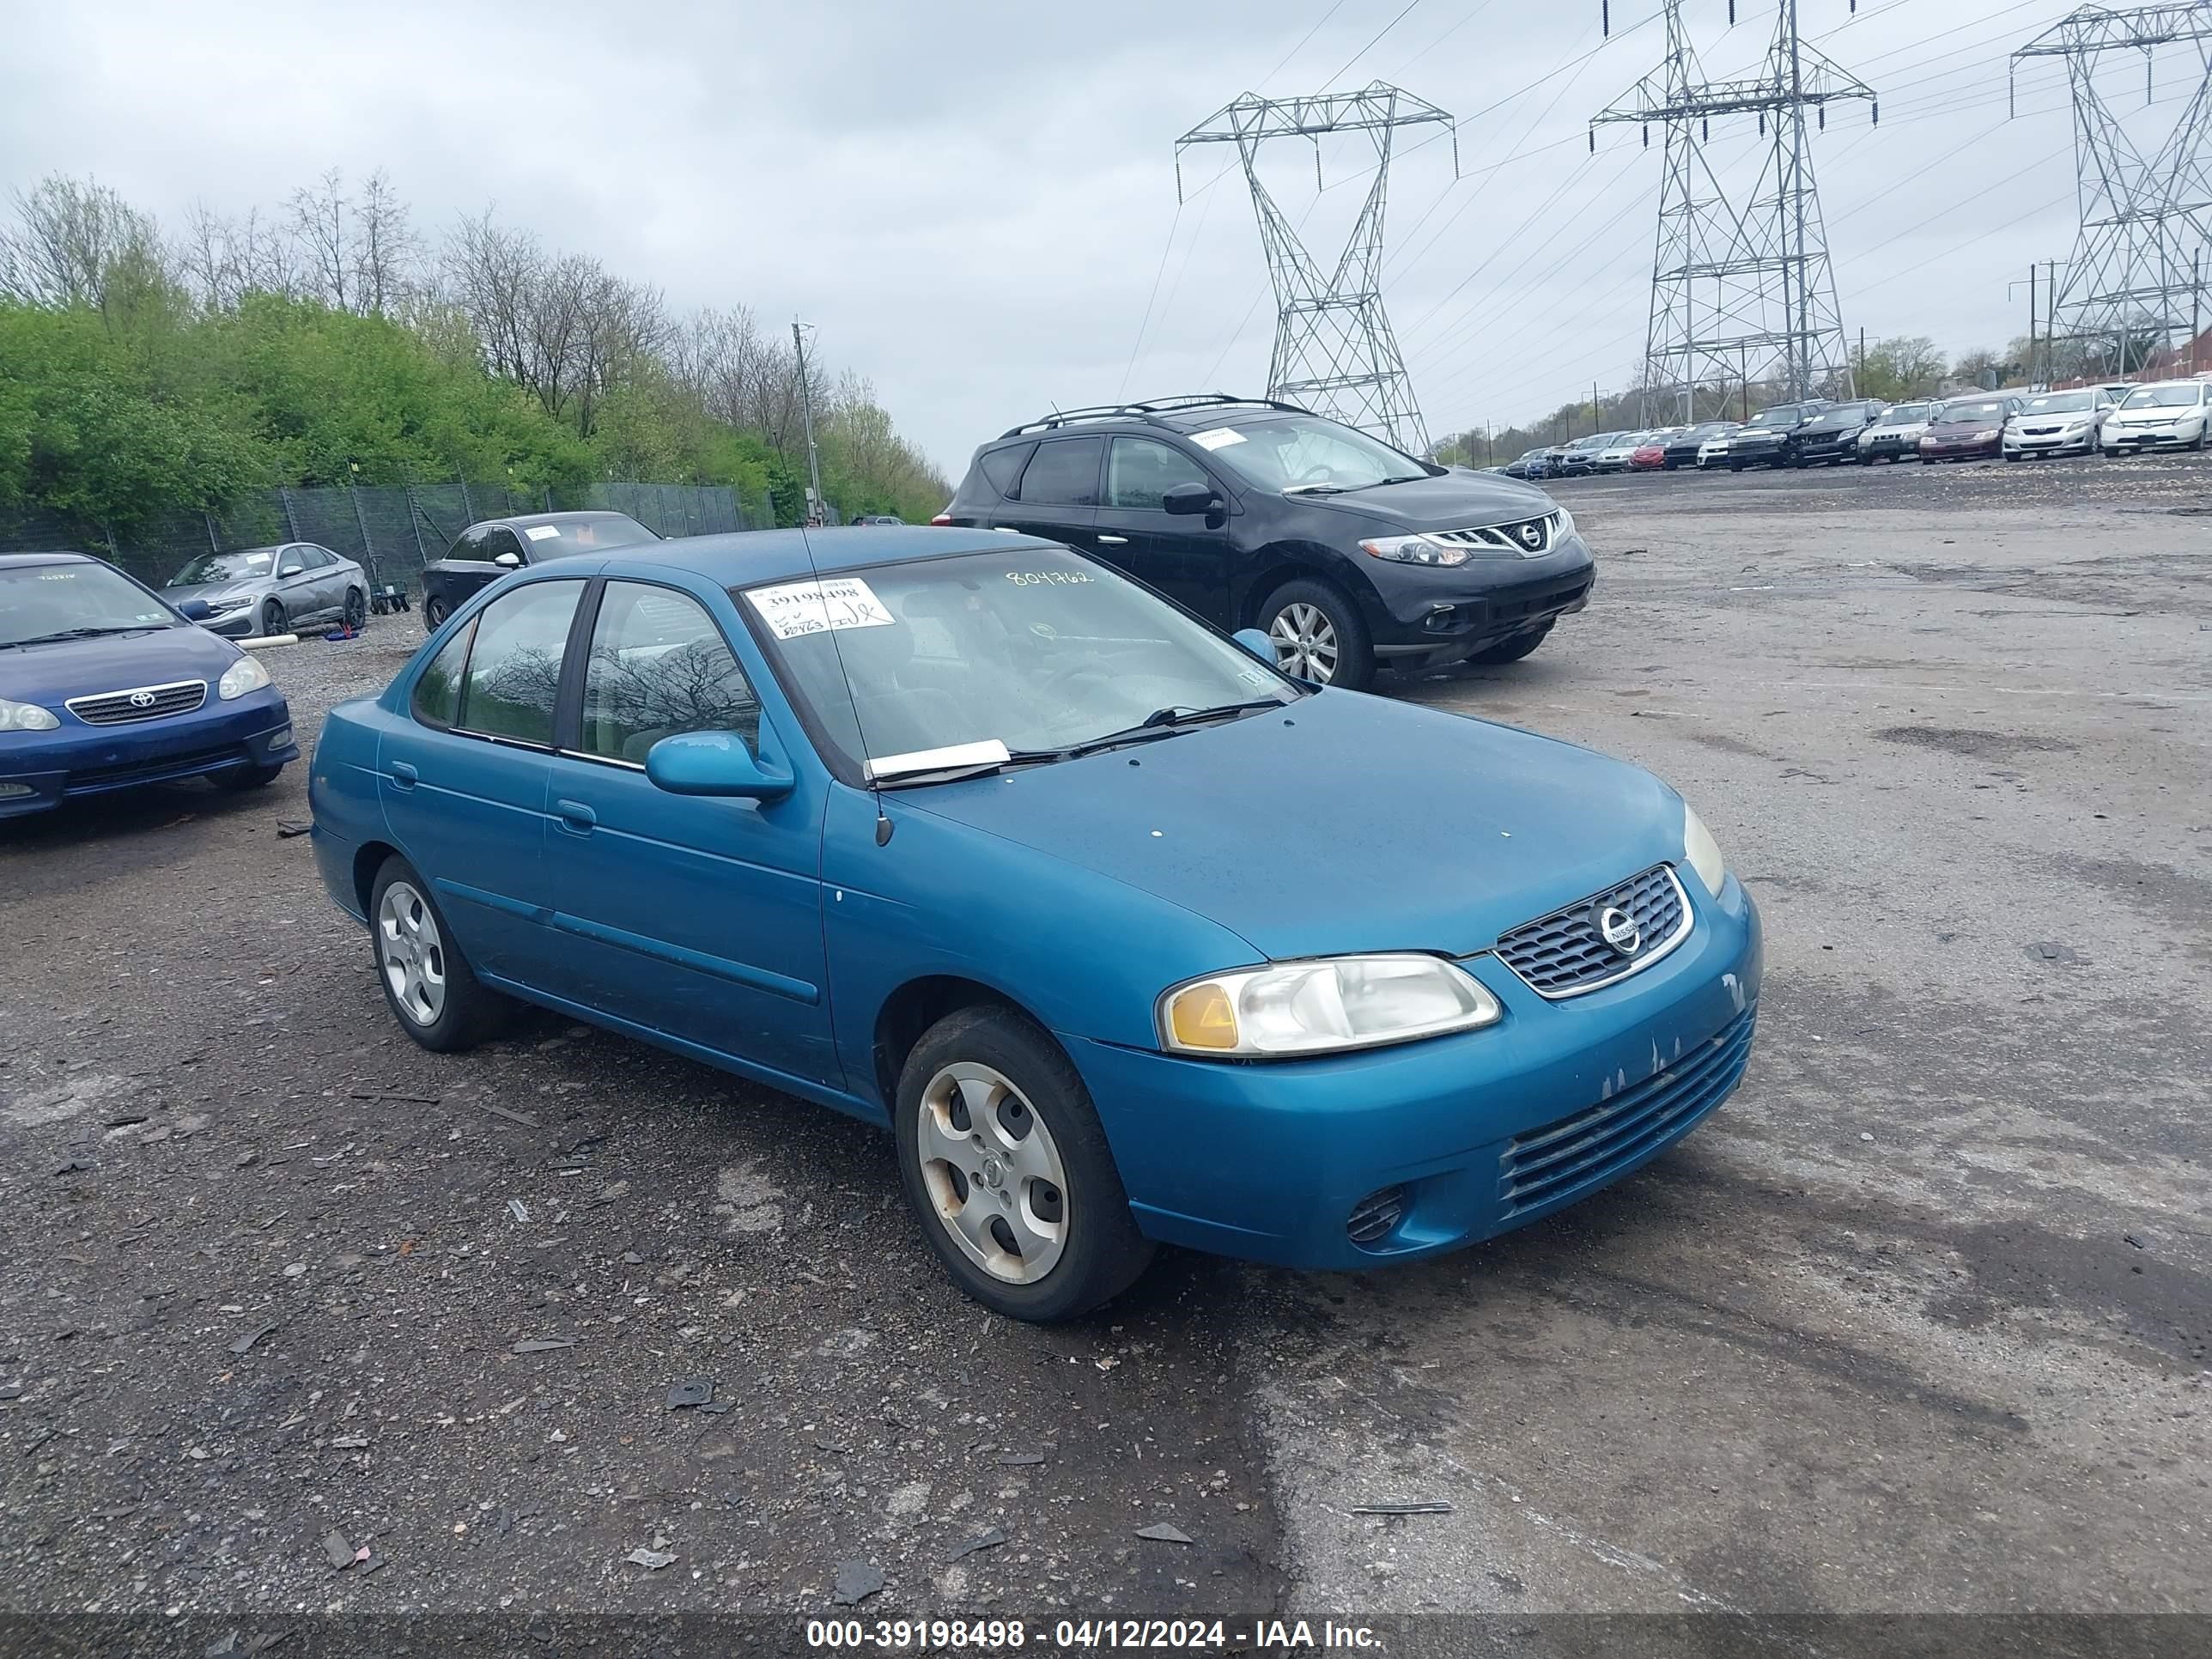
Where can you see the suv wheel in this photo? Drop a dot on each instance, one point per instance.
(1318, 635)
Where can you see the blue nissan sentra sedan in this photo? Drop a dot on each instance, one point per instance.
(104, 686)
(1128, 938)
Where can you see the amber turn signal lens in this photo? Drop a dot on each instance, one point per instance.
(1200, 1017)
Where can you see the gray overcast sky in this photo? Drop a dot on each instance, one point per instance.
(973, 201)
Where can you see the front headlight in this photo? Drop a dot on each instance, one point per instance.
(1702, 851)
(1322, 1007)
(1417, 549)
(26, 717)
(245, 674)
(1564, 525)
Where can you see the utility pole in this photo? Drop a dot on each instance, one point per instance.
(1594, 416)
(1738, 271)
(1334, 351)
(2143, 201)
(818, 508)
(2033, 377)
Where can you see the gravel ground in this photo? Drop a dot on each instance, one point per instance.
(1917, 1324)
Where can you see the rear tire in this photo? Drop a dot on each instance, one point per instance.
(1319, 635)
(1510, 650)
(1039, 1159)
(356, 610)
(428, 983)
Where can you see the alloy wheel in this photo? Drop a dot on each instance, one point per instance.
(994, 1177)
(410, 954)
(1305, 642)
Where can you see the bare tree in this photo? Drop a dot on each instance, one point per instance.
(79, 243)
(320, 216)
(386, 254)
(223, 260)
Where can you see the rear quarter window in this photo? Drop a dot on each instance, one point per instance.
(1002, 466)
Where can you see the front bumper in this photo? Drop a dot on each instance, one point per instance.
(38, 770)
(1447, 613)
(1960, 449)
(1875, 449)
(1266, 1161)
(2152, 437)
(1844, 448)
(2053, 443)
(1756, 454)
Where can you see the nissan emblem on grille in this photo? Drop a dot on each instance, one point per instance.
(1532, 533)
(1619, 930)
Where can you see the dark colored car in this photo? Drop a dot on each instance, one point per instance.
(1763, 439)
(1346, 552)
(103, 685)
(1681, 444)
(878, 519)
(269, 590)
(1832, 437)
(1535, 464)
(1579, 456)
(484, 552)
(1967, 428)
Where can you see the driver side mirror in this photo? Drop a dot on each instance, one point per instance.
(711, 763)
(508, 562)
(1190, 499)
(1257, 643)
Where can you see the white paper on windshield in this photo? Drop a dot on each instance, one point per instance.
(1216, 437)
(541, 532)
(800, 608)
(987, 752)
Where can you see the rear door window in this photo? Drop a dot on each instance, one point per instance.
(1064, 474)
(514, 678)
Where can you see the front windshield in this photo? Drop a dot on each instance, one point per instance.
(1960, 413)
(2169, 396)
(225, 568)
(1904, 414)
(1786, 415)
(2062, 403)
(1032, 646)
(39, 601)
(1286, 453)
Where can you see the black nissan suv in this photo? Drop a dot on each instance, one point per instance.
(1345, 552)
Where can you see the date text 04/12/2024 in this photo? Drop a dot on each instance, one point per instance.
(1084, 1635)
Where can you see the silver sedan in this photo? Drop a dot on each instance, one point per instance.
(260, 591)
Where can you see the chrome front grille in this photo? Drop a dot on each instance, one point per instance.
(1526, 536)
(1565, 955)
(1549, 1164)
(142, 703)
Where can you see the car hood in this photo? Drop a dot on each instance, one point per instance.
(213, 592)
(1445, 503)
(116, 662)
(1345, 824)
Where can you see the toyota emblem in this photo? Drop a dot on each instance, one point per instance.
(1618, 930)
(1532, 535)
(142, 699)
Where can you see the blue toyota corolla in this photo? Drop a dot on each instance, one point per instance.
(1127, 936)
(104, 686)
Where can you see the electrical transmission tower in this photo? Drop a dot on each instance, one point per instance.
(1741, 286)
(1334, 351)
(2140, 258)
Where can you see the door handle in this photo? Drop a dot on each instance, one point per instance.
(1115, 541)
(575, 817)
(404, 776)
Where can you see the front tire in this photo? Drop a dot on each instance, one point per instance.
(243, 778)
(1007, 1168)
(272, 620)
(434, 614)
(1318, 635)
(428, 983)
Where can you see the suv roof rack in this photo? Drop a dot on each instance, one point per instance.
(1149, 411)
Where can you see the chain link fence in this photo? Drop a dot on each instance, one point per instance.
(392, 531)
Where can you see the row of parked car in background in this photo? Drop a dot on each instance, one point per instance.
(2117, 418)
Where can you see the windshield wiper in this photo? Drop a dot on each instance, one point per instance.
(85, 633)
(1313, 489)
(957, 770)
(1410, 478)
(1166, 723)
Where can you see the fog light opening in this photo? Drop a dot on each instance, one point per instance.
(1376, 1216)
(15, 791)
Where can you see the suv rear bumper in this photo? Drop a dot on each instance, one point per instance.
(1447, 615)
